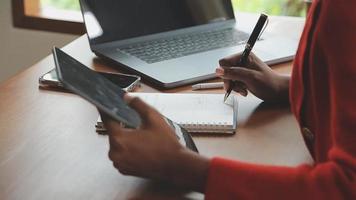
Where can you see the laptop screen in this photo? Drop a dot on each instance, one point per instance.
(113, 20)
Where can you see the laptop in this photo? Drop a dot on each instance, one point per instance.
(171, 43)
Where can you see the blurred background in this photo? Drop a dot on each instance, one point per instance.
(272, 7)
(29, 41)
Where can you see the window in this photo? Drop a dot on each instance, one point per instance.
(272, 7)
(64, 15)
(44, 15)
(61, 4)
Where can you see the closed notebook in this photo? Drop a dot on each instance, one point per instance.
(197, 113)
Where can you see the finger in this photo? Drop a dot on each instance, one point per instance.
(116, 146)
(114, 127)
(125, 170)
(116, 165)
(219, 71)
(114, 152)
(146, 112)
(238, 87)
(137, 104)
(232, 60)
(128, 98)
(226, 84)
(255, 62)
(120, 167)
(238, 74)
(237, 84)
(241, 91)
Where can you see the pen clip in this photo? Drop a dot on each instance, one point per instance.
(263, 30)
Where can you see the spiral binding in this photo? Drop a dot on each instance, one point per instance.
(207, 127)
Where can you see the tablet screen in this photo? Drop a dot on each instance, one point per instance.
(95, 88)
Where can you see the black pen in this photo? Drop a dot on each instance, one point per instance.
(249, 45)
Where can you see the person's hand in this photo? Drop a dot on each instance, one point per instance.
(153, 151)
(256, 77)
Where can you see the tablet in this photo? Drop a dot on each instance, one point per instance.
(104, 94)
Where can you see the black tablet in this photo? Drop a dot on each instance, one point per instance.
(105, 95)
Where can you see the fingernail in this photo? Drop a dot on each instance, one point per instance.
(219, 71)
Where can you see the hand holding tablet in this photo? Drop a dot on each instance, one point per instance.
(104, 94)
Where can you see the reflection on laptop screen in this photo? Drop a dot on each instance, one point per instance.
(112, 20)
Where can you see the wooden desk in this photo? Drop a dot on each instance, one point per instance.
(49, 148)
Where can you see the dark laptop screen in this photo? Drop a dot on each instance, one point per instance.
(111, 20)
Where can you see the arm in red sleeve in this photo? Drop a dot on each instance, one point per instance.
(336, 177)
(235, 180)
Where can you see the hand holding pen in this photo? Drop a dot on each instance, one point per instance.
(248, 48)
(254, 76)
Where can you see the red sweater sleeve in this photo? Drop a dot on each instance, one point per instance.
(236, 180)
(334, 177)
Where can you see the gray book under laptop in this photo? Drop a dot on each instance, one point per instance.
(172, 42)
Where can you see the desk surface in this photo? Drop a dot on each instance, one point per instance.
(49, 148)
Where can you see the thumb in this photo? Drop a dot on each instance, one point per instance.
(146, 112)
(110, 124)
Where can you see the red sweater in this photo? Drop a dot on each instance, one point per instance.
(323, 99)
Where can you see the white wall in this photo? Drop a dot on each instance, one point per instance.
(20, 48)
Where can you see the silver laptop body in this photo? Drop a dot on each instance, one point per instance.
(171, 43)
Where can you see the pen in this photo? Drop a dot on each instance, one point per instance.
(257, 31)
(203, 86)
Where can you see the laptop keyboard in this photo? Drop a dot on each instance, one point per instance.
(175, 47)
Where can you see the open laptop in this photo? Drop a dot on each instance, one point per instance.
(172, 42)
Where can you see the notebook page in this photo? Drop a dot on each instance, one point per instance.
(192, 109)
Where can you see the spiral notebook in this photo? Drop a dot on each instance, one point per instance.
(197, 113)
